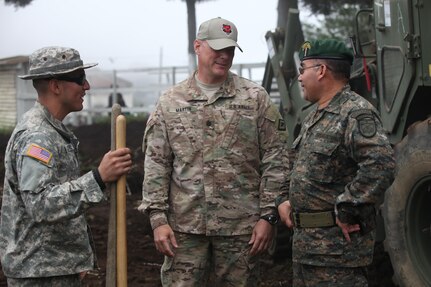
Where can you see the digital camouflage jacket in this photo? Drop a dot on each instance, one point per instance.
(342, 157)
(43, 231)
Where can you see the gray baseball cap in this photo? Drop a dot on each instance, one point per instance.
(50, 61)
(219, 33)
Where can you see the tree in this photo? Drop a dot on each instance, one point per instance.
(283, 9)
(327, 7)
(337, 15)
(191, 28)
(339, 24)
(18, 3)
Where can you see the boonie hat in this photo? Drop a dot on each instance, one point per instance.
(219, 33)
(325, 49)
(50, 61)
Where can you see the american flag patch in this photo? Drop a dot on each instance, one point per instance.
(39, 153)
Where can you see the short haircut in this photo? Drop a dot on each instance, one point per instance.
(41, 85)
(340, 69)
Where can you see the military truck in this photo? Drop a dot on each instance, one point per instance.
(392, 69)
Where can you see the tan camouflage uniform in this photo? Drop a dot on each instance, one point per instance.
(43, 231)
(342, 156)
(213, 166)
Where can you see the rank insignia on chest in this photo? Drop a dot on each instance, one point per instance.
(39, 153)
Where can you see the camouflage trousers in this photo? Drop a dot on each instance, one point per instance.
(323, 276)
(55, 281)
(211, 261)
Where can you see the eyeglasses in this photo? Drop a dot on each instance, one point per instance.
(302, 69)
(79, 80)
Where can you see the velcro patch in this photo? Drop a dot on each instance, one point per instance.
(39, 153)
(366, 122)
(367, 126)
(281, 125)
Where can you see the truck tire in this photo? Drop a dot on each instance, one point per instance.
(407, 209)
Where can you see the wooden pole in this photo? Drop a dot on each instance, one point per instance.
(111, 257)
(121, 210)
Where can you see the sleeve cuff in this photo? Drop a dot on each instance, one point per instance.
(98, 178)
(157, 219)
(280, 199)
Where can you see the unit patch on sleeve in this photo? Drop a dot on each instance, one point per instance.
(366, 122)
(281, 125)
(39, 153)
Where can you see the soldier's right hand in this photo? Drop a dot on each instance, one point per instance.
(285, 212)
(164, 239)
(114, 164)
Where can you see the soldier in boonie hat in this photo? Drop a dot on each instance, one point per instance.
(50, 61)
(325, 49)
(219, 33)
(45, 196)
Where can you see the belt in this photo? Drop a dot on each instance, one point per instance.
(314, 219)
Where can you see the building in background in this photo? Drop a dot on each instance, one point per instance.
(16, 96)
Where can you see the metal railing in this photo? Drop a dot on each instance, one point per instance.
(139, 88)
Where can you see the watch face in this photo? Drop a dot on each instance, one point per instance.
(271, 218)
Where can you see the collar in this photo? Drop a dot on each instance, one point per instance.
(335, 103)
(56, 124)
(227, 89)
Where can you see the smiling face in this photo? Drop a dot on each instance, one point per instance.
(309, 79)
(213, 65)
(71, 94)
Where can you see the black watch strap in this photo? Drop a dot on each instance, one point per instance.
(271, 218)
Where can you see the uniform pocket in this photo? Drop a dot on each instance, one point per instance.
(240, 133)
(183, 138)
(321, 167)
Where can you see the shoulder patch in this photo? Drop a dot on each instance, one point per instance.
(366, 122)
(39, 153)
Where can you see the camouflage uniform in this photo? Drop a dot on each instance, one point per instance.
(342, 157)
(213, 166)
(43, 231)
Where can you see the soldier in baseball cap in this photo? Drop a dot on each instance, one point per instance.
(219, 33)
(220, 209)
(45, 196)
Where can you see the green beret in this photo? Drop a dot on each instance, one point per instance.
(325, 49)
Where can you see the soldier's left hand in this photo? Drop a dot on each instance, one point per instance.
(285, 212)
(347, 229)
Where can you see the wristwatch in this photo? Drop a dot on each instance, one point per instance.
(271, 218)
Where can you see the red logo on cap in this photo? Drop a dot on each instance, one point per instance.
(227, 29)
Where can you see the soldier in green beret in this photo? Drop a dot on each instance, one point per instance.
(43, 230)
(343, 163)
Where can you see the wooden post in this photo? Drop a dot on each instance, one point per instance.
(121, 210)
(111, 262)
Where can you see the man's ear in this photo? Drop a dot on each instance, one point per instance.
(54, 87)
(196, 45)
(323, 69)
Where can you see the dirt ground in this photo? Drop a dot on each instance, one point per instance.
(143, 260)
